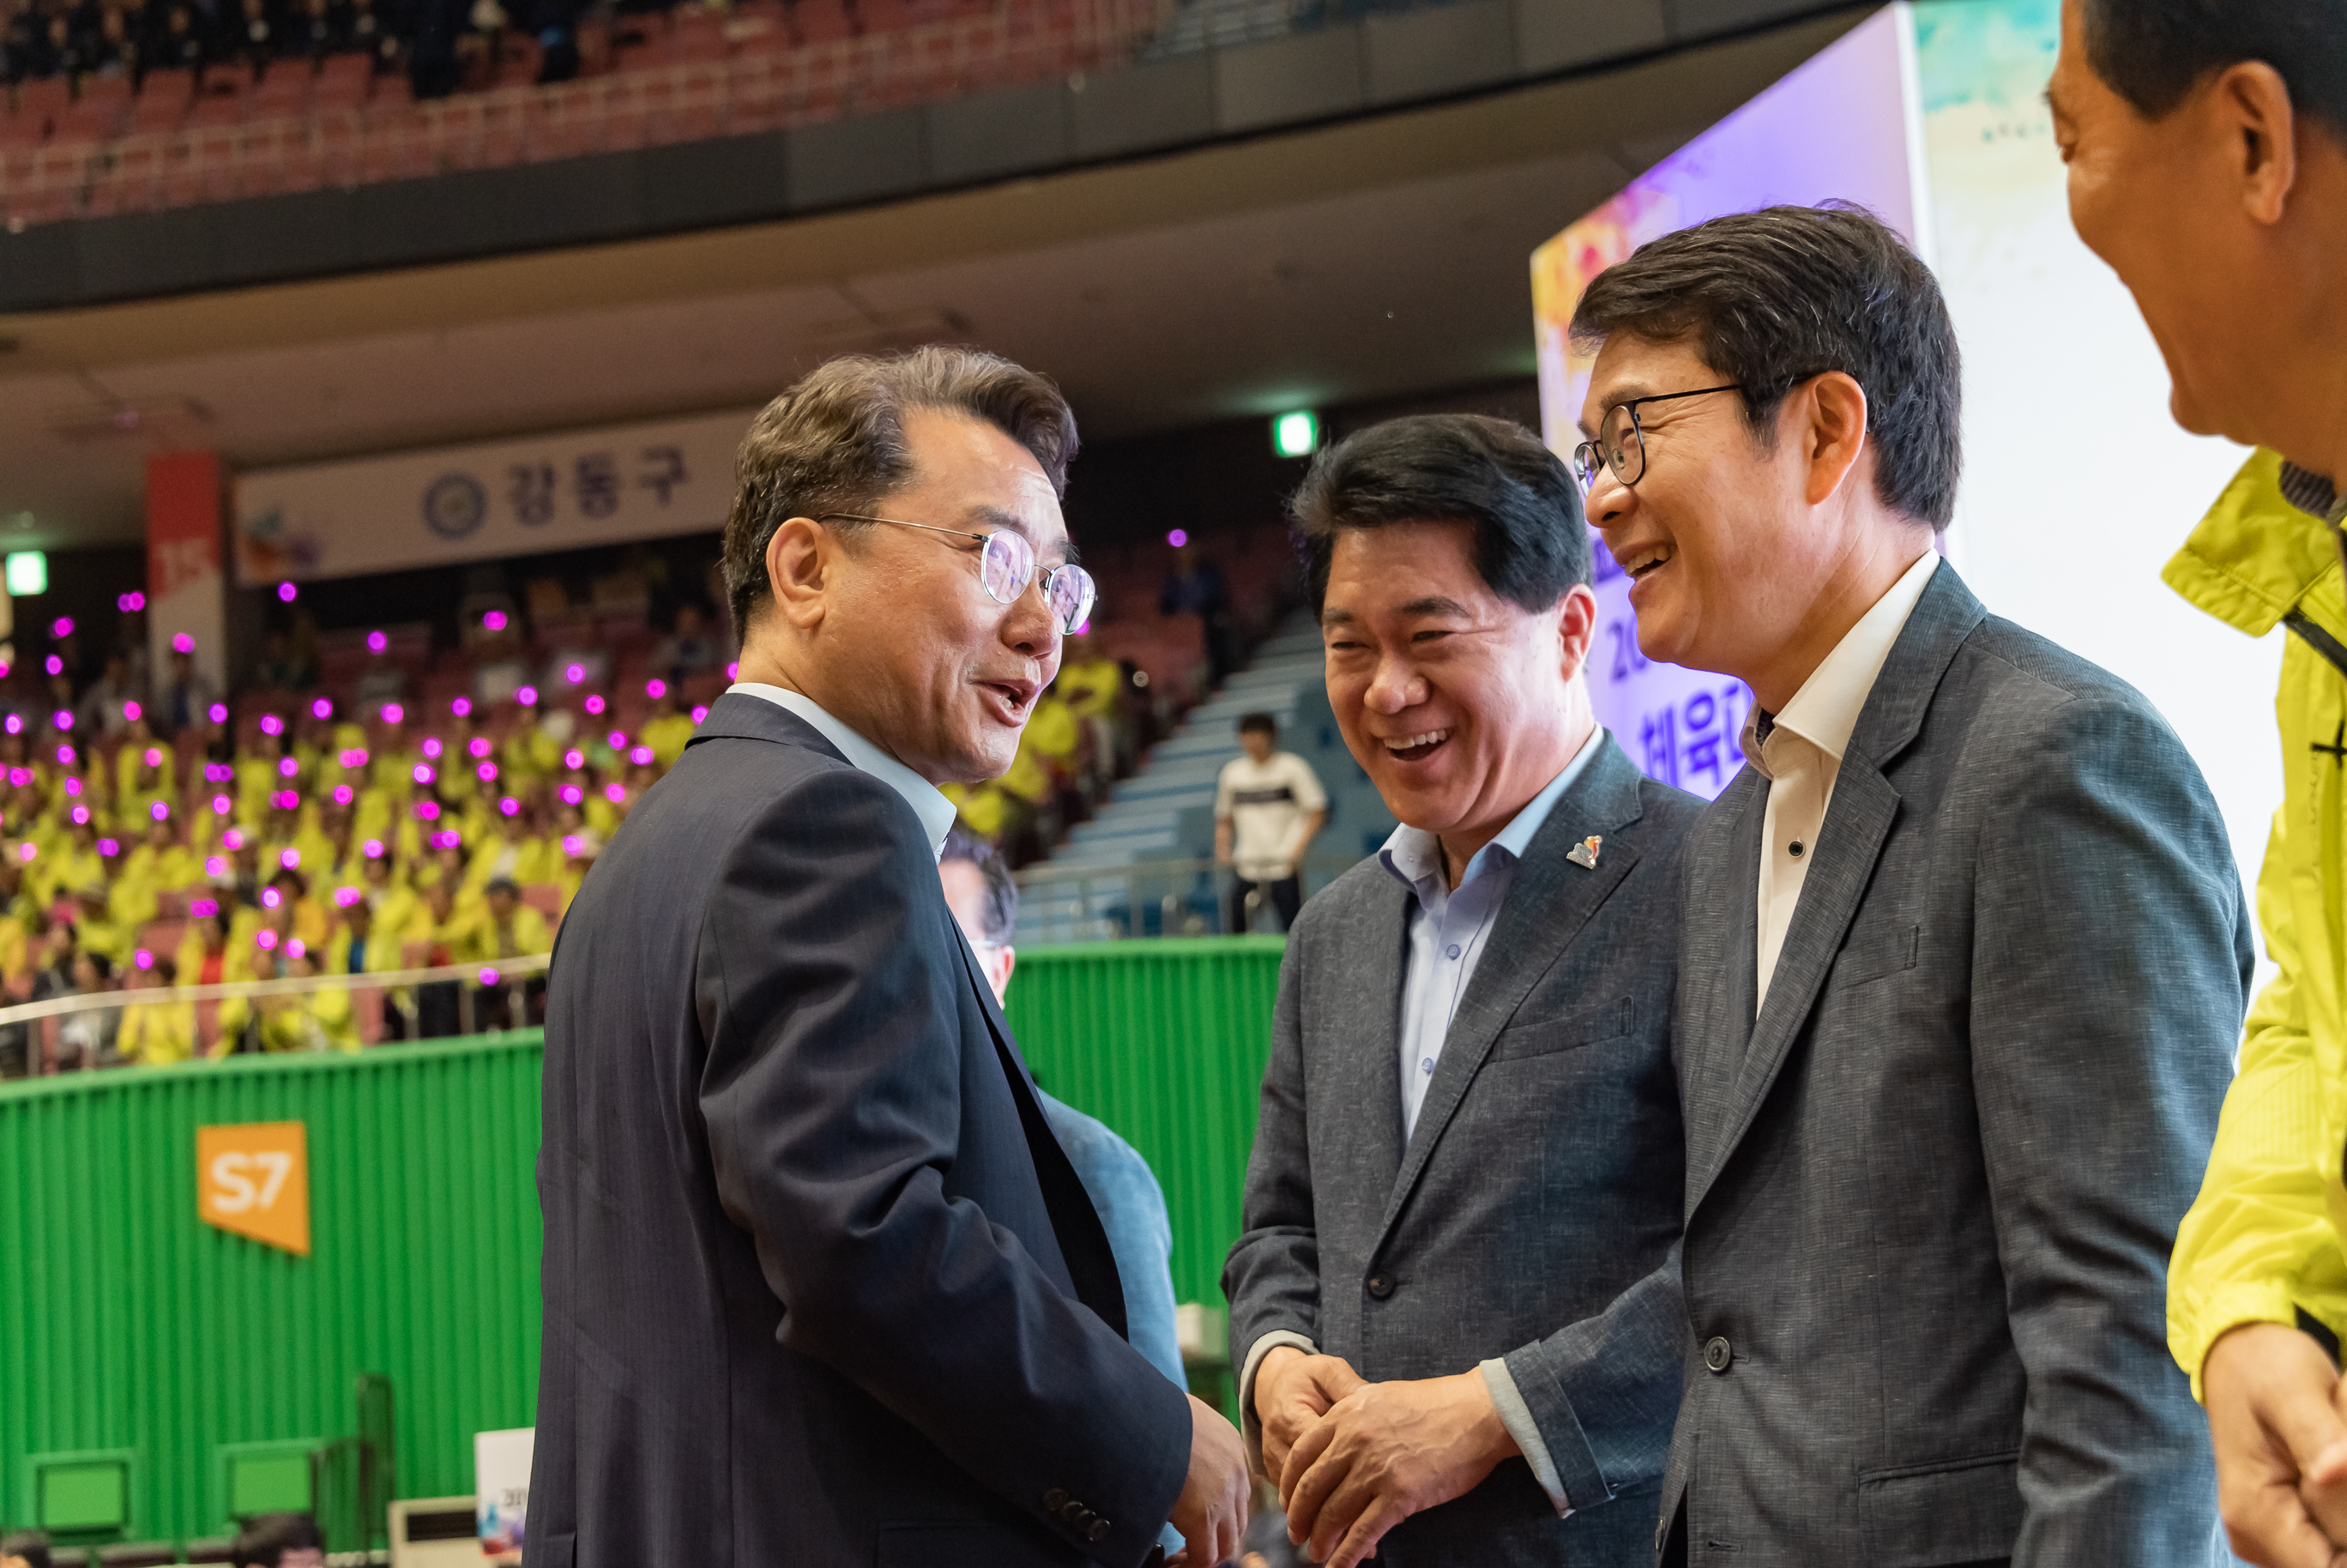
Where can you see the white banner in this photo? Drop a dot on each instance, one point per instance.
(499, 498)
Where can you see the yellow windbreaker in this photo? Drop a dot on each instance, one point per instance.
(2263, 1240)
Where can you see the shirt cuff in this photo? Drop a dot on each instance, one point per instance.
(1517, 1416)
(1250, 1424)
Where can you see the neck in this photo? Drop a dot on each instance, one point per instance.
(795, 669)
(1875, 561)
(1462, 845)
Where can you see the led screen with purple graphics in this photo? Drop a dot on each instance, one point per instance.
(1834, 129)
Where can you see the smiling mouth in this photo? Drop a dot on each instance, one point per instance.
(1417, 748)
(1646, 560)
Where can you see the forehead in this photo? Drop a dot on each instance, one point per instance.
(970, 471)
(1394, 570)
(1629, 366)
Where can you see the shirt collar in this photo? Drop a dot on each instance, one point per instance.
(936, 812)
(1413, 855)
(1825, 711)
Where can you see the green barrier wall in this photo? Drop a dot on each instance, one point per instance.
(128, 1325)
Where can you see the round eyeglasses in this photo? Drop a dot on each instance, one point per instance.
(1007, 566)
(1621, 442)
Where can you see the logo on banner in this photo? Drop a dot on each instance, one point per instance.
(454, 505)
(252, 1180)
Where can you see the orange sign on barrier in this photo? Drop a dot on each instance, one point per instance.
(253, 1179)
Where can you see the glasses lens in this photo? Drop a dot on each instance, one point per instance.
(1008, 565)
(1625, 454)
(1069, 591)
(1585, 463)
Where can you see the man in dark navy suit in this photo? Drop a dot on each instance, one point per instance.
(820, 1286)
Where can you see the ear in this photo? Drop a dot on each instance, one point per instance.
(800, 560)
(1576, 627)
(1829, 415)
(2251, 105)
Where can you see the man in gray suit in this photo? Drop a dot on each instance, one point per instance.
(1963, 959)
(1465, 1185)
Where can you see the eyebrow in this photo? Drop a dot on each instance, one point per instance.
(1432, 604)
(1018, 525)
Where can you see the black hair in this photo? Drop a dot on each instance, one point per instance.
(1258, 723)
(1531, 543)
(836, 443)
(1770, 299)
(1000, 913)
(267, 1537)
(2153, 53)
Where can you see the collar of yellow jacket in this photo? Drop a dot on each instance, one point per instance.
(2255, 556)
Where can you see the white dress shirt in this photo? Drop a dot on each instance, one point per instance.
(1449, 927)
(936, 812)
(1800, 753)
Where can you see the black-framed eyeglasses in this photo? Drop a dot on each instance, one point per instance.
(1007, 566)
(1621, 442)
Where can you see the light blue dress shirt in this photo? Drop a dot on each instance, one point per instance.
(1449, 927)
(936, 812)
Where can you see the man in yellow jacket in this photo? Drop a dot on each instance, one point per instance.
(2207, 146)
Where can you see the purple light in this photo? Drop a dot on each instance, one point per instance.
(488, 977)
(377, 642)
(154, 756)
(574, 673)
(182, 643)
(64, 719)
(65, 759)
(143, 958)
(618, 740)
(265, 936)
(1177, 538)
(488, 773)
(615, 793)
(26, 851)
(232, 840)
(428, 810)
(699, 711)
(424, 774)
(495, 620)
(431, 747)
(271, 724)
(73, 786)
(110, 847)
(509, 806)
(270, 898)
(203, 908)
(574, 758)
(219, 714)
(371, 849)
(160, 812)
(527, 696)
(446, 838)
(222, 804)
(655, 690)
(642, 756)
(572, 794)
(289, 858)
(285, 593)
(393, 714)
(129, 712)
(15, 724)
(342, 794)
(287, 767)
(322, 709)
(594, 704)
(54, 665)
(460, 706)
(80, 815)
(285, 800)
(294, 948)
(479, 746)
(215, 865)
(734, 670)
(61, 626)
(346, 897)
(572, 844)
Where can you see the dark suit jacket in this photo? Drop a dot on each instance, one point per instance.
(1930, 1192)
(1533, 1214)
(819, 1286)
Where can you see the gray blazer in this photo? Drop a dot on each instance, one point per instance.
(1534, 1213)
(1930, 1192)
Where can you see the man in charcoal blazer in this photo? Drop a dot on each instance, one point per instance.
(1466, 1179)
(1963, 958)
(821, 1287)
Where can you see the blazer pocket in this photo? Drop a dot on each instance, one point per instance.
(1957, 1510)
(1873, 954)
(1525, 1038)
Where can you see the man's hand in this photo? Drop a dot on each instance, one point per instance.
(2282, 1446)
(1383, 1452)
(1211, 1514)
(1292, 1390)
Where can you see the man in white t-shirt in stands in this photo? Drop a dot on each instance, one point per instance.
(1267, 806)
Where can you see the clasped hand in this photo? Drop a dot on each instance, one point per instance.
(1353, 1458)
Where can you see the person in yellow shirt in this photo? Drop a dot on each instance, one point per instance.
(2207, 150)
(73, 865)
(314, 1021)
(211, 954)
(287, 905)
(512, 929)
(513, 852)
(445, 930)
(157, 1033)
(160, 867)
(665, 729)
(96, 931)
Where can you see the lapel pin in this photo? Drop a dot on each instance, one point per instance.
(1585, 854)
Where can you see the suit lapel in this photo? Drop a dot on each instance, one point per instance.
(1549, 899)
(1857, 824)
(1718, 963)
(1363, 1055)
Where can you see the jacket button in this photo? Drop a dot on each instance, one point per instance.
(1380, 1286)
(1099, 1531)
(1055, 1500)
(1718, 1354)
(1073, 1511)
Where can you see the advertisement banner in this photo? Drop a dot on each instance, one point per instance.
(252, 1179)
(563, 491)
(186, 590)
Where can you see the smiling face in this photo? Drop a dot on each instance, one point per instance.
(1460, 704)
(898, 637)
(1714, 534)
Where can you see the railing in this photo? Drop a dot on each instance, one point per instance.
(1019, 41)
(1183, 897)
(480, 992)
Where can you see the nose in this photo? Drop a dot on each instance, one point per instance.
(1028, 623)
(1609, 502)
(1396, 685)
